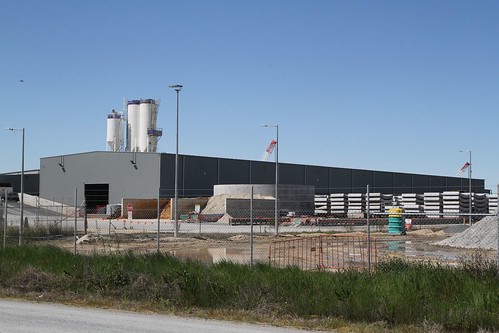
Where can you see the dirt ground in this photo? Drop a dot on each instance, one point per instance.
(417, 245)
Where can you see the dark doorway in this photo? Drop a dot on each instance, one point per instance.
(96, 198)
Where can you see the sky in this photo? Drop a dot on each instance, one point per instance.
(397, 86)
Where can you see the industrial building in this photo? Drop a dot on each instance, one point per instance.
(132, 168)
(110, 176)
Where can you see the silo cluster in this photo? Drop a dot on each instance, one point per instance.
(141, 132)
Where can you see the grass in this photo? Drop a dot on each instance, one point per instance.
(34, 233)
(417, 296)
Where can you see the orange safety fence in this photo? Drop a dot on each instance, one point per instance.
(327, 252)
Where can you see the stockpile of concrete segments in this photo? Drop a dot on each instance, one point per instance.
(338, 203)
(356, 204)
(433, 204)
(321, 204)
(482, 235)
(412, 203)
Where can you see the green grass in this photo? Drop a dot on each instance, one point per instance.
(398, 293)
(34, 233)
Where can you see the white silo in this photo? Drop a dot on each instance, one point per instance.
(133, 127)
(146, 122)
(114, 137)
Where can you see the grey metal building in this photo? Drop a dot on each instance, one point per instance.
(109, 176)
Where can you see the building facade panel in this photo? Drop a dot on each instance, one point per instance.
(139, 175)
(233, 171)
(318, 177)
(360, 180)
(200, 174)
(129, 175)
(340, 180)
(383, 182)
(291, 174)
(438, 184)
(262, 172)
(402, 183)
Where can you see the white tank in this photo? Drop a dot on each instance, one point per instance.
(114, 137)
(146, 122)
(133, 108)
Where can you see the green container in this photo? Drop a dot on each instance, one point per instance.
(396, 225)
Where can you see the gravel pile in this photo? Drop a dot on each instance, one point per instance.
(482, 235)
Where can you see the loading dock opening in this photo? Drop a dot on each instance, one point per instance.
(96, 198)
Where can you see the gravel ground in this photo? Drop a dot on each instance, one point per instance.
(482, 235)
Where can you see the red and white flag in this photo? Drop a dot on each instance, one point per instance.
(463, 169)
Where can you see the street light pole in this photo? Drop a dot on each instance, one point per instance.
(469, 182)
(276, 208)
(177, 88)
(22, 186)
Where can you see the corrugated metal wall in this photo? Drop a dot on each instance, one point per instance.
(138, 175)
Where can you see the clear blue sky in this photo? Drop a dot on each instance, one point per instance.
(383, 85)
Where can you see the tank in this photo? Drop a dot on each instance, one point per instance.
(114, 137)
(133, 109)
(146, 121)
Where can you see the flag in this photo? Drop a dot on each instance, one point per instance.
(463, 169)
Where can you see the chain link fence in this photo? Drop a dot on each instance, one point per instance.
(325, 232)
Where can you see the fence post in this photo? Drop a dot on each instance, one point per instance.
(5, 223)
(76, 219)
(251, 227)
(368, 232)
(497, 215)
(85, 216)
(159, 219)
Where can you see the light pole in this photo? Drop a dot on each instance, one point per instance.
(177, 88)
(276, 217)
(22, 187)
(469, 181)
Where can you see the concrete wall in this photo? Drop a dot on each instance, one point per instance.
(60, 175)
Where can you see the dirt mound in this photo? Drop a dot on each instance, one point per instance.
(482, 235)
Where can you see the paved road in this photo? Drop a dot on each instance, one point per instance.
(26, 317)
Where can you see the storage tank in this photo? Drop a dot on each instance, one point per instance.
(114, 137)
(133, 109)
(145, 122)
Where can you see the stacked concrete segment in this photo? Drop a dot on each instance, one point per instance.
(339, 203)
(433, 204)
(492, 203)
(356, 204)
(374, 202)
(321, 203)
(451, 203)
(379, 201)
(412, 202)
(464, 203)
(480, 203)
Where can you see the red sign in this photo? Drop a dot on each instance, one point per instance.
(129, 208)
